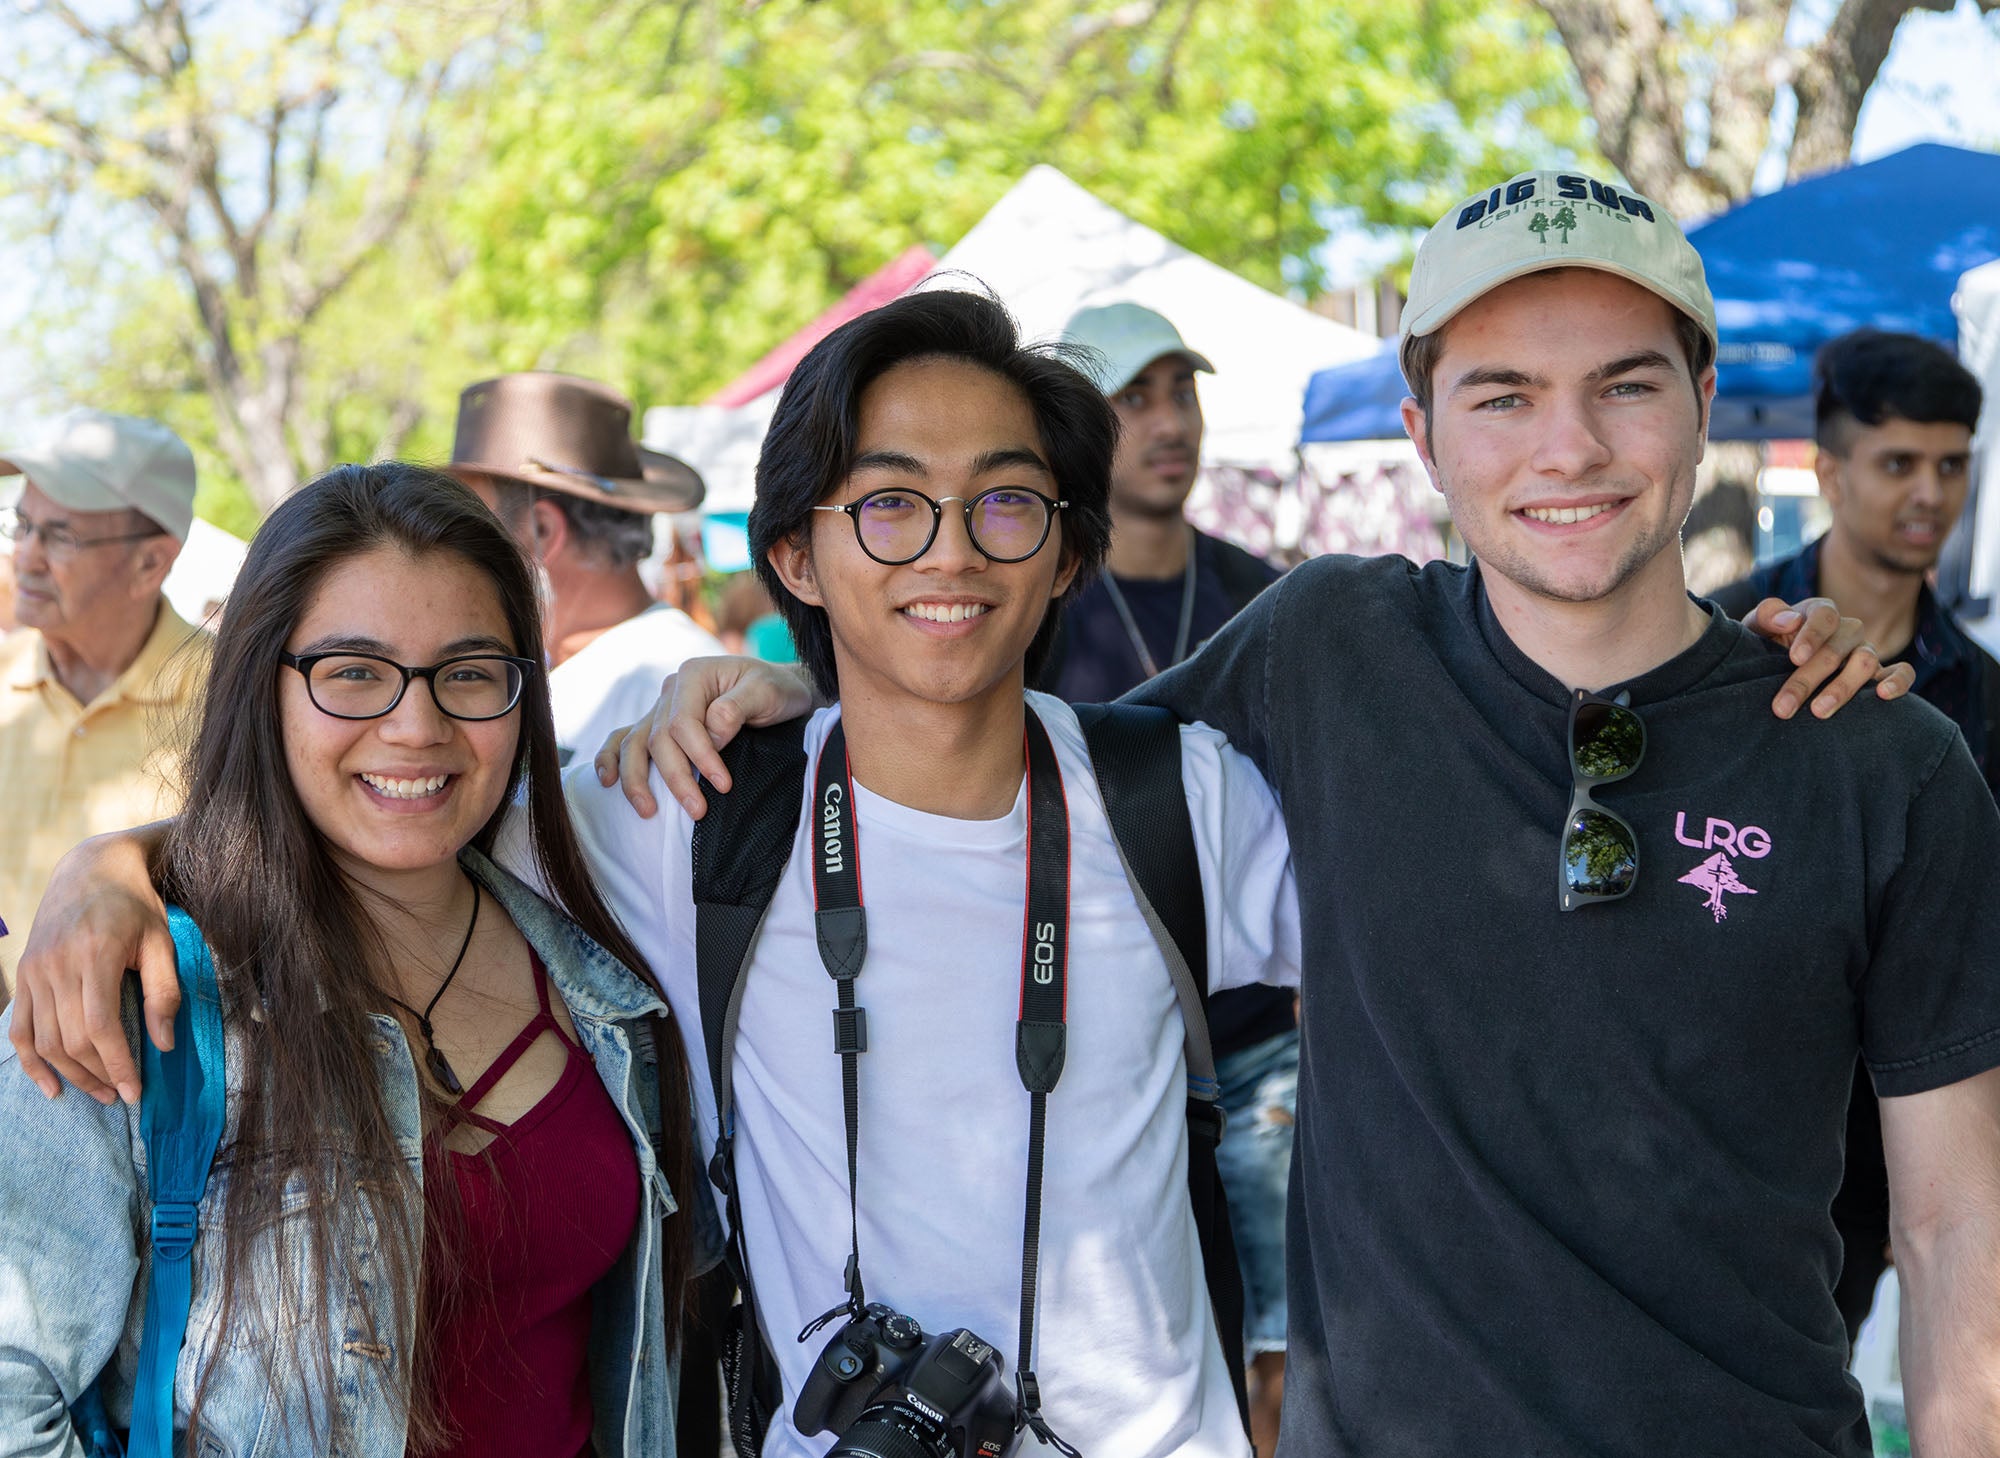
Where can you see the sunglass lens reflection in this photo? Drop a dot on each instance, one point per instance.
(1600, 857)
(1607, 741)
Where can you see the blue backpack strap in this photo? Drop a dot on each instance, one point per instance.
(180, 1115)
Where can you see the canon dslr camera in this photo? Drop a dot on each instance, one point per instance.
(889, 1391)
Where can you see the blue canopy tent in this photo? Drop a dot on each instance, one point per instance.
(1881, 244)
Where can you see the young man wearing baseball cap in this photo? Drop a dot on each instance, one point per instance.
(92, 687)
(1591, 939)
(1598, 940)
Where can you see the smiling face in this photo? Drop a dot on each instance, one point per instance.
(1564, 433)
(953, 625)
(1159, 439)
(406, 792)
(1897, 489)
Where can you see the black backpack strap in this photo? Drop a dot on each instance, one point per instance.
(739, 851)
(1135, 751)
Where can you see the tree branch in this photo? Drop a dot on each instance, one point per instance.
(384, 216)
(1831, 78)
(1635, 91)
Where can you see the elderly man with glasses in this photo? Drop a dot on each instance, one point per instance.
(102, 670)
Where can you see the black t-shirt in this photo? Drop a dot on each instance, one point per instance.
(1095, 662)
(1561, 1181)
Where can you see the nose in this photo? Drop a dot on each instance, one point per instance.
(29, 541)
(951, 550)
(416, 720)
(1163, 422)
(1572, 443)
(1926, 486)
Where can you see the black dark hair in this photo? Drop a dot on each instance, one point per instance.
(1871, 375)
(810, 445)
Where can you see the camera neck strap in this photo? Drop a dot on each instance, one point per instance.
(841, 926)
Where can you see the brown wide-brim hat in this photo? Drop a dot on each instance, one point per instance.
(568, 434)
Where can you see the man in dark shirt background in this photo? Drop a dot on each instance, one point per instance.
(1893, 419)
(1165, 590)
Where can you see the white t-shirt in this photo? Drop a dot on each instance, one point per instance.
(616, 678)
(1126, 1348)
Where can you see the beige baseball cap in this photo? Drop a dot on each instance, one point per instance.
(93, 460)
(1544, 220)
(1124, 339)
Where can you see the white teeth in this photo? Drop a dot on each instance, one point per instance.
(938, 612)
(1563, 515)
(405, 789)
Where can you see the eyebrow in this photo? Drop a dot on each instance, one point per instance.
(986, 462)
(355, 643)
(1645, 359)
(889, 461)
(1486, 375)
(1007, 457)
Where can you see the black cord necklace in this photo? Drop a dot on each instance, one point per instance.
(435, 1061)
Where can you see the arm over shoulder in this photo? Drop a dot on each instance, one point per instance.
(70, 1215)
(1248, 883)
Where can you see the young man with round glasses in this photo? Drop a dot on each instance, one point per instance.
(1592, 939)
(927, 489)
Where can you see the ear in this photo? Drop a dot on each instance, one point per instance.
(1826, 467)
(1065, 573)
(1417, 428)
(151, 564)
(549, 530)
(1704, 391)
(791, 558)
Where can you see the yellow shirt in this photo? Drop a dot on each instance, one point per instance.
(71, 770)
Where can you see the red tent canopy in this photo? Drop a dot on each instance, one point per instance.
(890, 281)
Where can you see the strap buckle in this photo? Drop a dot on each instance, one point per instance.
(175, 1224)
(850, 1030)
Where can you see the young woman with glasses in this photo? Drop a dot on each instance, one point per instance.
(435, 1220)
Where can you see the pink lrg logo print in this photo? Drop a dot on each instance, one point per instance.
(1717, 875)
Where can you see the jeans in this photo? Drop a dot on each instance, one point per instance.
(1260, 1094)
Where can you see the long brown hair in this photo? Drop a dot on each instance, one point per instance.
(300, 964)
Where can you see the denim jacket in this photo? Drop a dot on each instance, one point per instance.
(75, 1210)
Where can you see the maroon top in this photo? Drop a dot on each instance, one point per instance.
(548, 1208)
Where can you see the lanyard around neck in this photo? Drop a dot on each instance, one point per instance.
(841, 924)
(1147, 664)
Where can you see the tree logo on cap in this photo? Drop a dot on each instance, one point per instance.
(1562, 222)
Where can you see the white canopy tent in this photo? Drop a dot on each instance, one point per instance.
(1977, 304)
(205, 570)
(1048, 248)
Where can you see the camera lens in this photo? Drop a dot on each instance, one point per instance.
(893, 1430)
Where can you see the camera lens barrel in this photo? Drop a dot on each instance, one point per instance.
(893, 1430)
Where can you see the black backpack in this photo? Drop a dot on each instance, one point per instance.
(740, 851)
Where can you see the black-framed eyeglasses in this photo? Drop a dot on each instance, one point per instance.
(60, 542)
(897, 525)
(473, 686)
(1600, 851)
